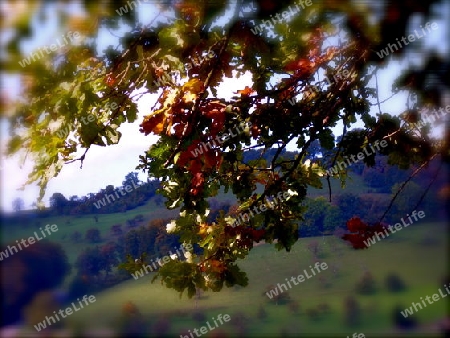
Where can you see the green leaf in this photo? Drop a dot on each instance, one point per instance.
(14, 144)
(326, 139)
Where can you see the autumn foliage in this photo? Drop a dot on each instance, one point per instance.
(280, 65)
(361, 231)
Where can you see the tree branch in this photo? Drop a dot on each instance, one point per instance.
(404, 184)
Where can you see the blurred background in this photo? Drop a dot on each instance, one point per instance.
(362, 291)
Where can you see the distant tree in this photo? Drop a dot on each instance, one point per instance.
(262, 313)
(152, 239)
(314, 150)
(313, 314)
(314, 217)
(324, 281)
(375, 177)
(18, 204)
(161, 327)
(139, 218)
(132, 322)
(281, 298)
(164, 241)
(146, 240)
(117, 198)
(73, 205)
(89, 262)
(74, 198)
(294, 307)
(131, 179)
(324, 308)
(131, 243)
(240, 322)
(131, 223)
(79, 286)
(76, 237)
(58, 203)
(109, 256)
(352, 311)
(199, 316)
(394, 283)
(367, 284)
(350, 205)
(333, 219)
(400, 321)
(41, 266)
(116, 230)
(93, 235)
(375, 204)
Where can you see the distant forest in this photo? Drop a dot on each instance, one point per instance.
(381, 178)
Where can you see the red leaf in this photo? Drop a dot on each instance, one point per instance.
(299, 65)
(355, 224)
(197, 184)
(361, 232)
(258, 234)
(218, 120)
(356, 240)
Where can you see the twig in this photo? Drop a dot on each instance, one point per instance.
(80, 158)
(404, 184)
(429, 186)
(378, 93)
(344, 132)
(381, 102)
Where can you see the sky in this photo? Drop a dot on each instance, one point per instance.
(109, 165)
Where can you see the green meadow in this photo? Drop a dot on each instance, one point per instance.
(417, 254)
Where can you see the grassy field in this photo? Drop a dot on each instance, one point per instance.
(417, 254)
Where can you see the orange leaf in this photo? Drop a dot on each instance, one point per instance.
(153, 124)
(110, 80)
(217, 266)
(246, 91)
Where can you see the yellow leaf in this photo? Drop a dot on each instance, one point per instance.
(194, 86)
(189, 97)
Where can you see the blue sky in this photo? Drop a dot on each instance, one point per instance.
(109, 165)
